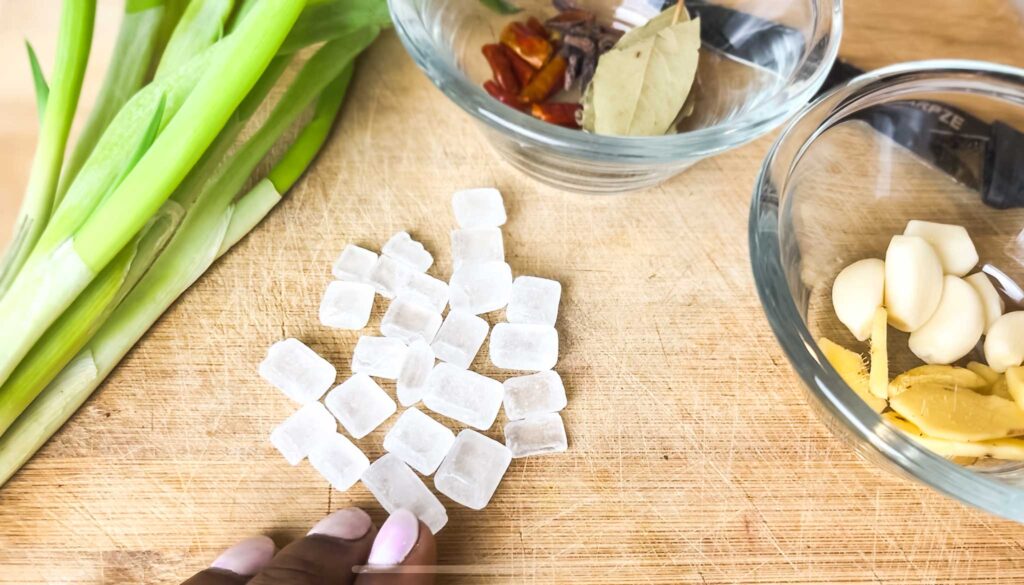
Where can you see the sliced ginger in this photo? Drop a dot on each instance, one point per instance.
(1015, 384)
(879, 376)
(1010, 449)
(991, 376)
(956, 413)
(851, 368)
(943, 375)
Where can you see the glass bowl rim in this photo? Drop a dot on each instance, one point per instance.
(789, 327)
(648, 149)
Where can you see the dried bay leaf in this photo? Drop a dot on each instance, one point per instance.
(640, 85)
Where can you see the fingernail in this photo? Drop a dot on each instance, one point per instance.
(247, 557)
(349, 524)
(396, 538)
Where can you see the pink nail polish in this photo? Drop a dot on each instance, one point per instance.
(395, 540)
(349, 524)
(247, 557)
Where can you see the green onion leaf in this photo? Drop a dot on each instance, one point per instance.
(42, 90)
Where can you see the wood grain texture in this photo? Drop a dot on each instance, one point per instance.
(693, 457)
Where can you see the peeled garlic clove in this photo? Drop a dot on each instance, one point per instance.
(955, 327)
(1004, 343)
(990, 299)
(951, 242)
(857, 293)
(913, 282)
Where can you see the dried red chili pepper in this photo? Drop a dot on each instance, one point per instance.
(534, 49)
(563, 114)
(509, 99)
(501, 67)
(546, 82)
(535, 25)
(524, 72)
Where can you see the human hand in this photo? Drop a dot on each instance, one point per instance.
(345, 548)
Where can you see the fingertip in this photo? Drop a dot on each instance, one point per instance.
(348, 524)
(397, 536)
(247, 557)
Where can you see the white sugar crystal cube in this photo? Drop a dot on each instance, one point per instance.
(354, 264)
(408, 251)
(534, 300)
(524, 347)
(460, 338)
(297, 371)
(389, 276)
(464, 396)
(297, 435)
(409, 321)
(419, 440)
(472, 469)
(477, 245)
(346, 305)
(379, 356)
(412, 380)
(396, 486)
(538, 393)
(426, 290)
(360, 405)
(339, 461)
(537, 435)
(479, 208)
(481, 287)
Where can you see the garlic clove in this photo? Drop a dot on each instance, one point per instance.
(951, 242)
(955, 327)
(913, 282)
(990, 299)
(857, 294)
(1004, 343)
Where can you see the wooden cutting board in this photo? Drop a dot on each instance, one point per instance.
(693, 456)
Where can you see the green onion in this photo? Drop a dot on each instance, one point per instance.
(200, 27)
(149, 198)
(62, 99)
(133, 52)
(31, 305)
(39, 80)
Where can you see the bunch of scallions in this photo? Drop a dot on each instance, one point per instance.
(112, 232)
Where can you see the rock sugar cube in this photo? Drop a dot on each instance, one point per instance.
(465, 396)
(397, 487)
(339, 461)
(459, 338)
(419, 440)
(389, 276)
(354, 264)
(472, 470)
(534, 300)
(360, 405)
(297, 371)
(408, 251)
(539, 393)
(409, 321)
(524, 347)
(479, 208)
(537, 435)
(426, 290)
(300, 432)
(481, 287)
(412, 380)
(346, 305)
(477, 245)
(379, 356)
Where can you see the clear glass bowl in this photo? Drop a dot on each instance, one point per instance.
(835, 188)
(781, 52)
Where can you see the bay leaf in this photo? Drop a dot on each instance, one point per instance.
(639, 89)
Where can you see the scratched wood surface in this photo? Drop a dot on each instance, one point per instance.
(693, 458)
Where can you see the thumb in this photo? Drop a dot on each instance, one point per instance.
(404, 553)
